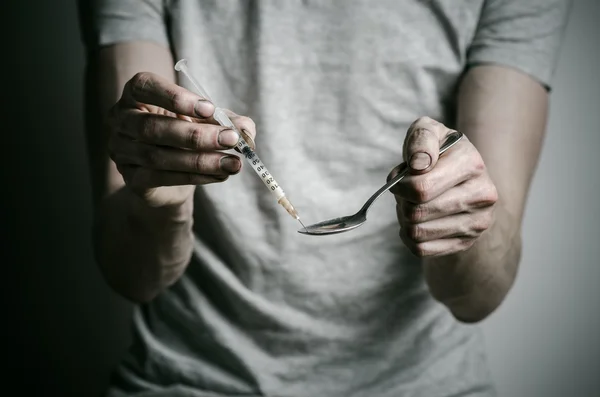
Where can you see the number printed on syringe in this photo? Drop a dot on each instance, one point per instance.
(267, 179)
(260, 169)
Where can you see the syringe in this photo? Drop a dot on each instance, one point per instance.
(257, 165)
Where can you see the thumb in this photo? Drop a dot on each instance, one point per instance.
(422, 144)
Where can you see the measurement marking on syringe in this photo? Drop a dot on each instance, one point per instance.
(258, 166)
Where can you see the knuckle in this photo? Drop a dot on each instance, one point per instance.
(414, 232)
(491, 194)
(424, 120)
(488, 195)
(148, 127)
(420, 250)
(477, 163)
(421, 189)
(177, 100)
(480, 224)
(194, 138)
(417, 249)
(414, 212)
(198, 163)
(139, 82)
(419, 213)
(420, 132)
(460, 206)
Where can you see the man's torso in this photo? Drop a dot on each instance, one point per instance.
(263, 310)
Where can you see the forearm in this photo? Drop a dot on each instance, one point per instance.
(473, 283)
(503, 113)
(141, 250)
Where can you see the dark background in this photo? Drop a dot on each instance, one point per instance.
(65, 330)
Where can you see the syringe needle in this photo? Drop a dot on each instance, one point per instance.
(302, 224)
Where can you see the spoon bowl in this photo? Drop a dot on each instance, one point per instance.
(336, 225)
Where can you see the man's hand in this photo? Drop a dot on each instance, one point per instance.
(447, 202)
(164, 141)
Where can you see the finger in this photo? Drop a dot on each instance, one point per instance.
(466, 197)
(199, 120)
(145, 178)
(174, 132)
(395, 171)
(248, 138)
(245, 126)
(459, 225)
(150, 88)
(437, 247)
(456, 166)
(422, 144)
(170, 159)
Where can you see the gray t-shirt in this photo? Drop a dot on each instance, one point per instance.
(332, 87)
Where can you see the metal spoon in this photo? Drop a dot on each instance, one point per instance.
(349, 222)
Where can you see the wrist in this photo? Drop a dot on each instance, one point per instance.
(166, 216)
(473, 283)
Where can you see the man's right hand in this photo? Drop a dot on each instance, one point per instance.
(164, 140)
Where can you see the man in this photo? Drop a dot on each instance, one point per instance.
(233, 301)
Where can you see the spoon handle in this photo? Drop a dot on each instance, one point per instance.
(452, 138)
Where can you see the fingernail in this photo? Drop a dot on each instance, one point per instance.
(230, 164)
(420, 161)
(228, 138)
(204, 108)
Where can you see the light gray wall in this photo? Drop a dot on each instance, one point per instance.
(544, 340)
(65, 329)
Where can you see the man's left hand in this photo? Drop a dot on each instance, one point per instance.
(445, 202)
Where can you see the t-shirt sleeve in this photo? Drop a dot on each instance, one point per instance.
(522, 34)
(105, 22)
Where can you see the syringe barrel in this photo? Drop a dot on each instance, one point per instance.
(251, 156)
